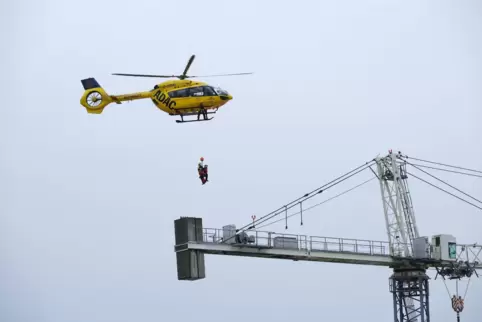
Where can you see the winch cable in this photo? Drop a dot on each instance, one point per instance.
(458, 302)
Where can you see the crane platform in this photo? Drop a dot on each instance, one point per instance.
(294, 247)
(193, 241)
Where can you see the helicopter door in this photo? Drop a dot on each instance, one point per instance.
(180, 96)
(196, 97)
(209, 96)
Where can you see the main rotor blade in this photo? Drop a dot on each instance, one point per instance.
(144, 75)
(188, 65)
(236, 74)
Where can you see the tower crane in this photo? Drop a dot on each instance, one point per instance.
(407, 253)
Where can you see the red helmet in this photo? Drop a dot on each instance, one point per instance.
(202, 159)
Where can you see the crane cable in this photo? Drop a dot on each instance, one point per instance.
(444, 164)
(303, 198)
(453, 195)
(443, 182)
(456, 300)
(457, 288)
(308, 196)
(446, 170)
(320, 203)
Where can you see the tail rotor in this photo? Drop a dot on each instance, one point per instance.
(95, 98)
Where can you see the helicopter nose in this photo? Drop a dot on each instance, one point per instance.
(226, 97)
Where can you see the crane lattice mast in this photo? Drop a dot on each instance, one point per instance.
(402, 230)
(397, 205)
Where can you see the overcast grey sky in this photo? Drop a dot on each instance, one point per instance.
(88, 201)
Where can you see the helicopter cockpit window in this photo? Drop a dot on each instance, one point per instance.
(208, 91)
(221, 91)
(179, 93)
(196, 91)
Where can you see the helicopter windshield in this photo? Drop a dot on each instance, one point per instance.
(221, 91)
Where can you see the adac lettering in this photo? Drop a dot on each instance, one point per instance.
(164, 99)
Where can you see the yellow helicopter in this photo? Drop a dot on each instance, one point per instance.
(181, 97)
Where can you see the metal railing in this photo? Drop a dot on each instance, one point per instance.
(266, 239)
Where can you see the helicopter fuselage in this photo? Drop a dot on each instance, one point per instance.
(175, 97)
(186, 96)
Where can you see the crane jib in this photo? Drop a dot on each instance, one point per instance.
(164, 99)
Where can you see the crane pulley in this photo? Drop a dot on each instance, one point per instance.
(457, 304)
(458, 301)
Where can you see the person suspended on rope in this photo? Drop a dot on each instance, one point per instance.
(202, 171)
(206, 172)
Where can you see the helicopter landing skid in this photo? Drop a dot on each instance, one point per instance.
(199, 119)
(189, 121)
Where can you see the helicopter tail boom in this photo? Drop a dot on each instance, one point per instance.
(130, 97)
(95, 98)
